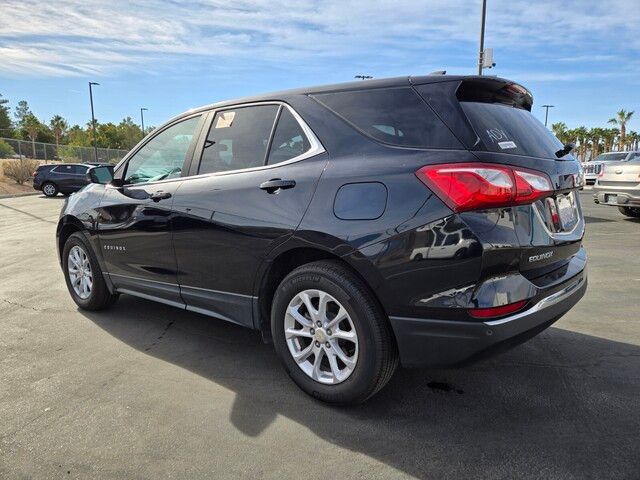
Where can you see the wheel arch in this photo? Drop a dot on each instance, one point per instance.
(284, 262)
(67, 226)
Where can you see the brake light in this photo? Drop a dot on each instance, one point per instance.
(500, 311)
(475, 186)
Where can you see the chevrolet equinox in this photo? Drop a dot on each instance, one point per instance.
(427, 221)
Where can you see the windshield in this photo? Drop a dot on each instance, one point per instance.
(611, 157)
(506, 129)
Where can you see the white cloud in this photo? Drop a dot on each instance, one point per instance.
(76, 37)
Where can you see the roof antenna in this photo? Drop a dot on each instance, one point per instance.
(439, 72)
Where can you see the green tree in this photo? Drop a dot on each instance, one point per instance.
(609, 137)
(22, 110)
(621, 119)
(560, 130)
(32, 126)
(58, 127)
(596, 135)
(6, 129)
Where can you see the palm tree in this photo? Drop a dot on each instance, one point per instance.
(59, 128)
(609, 136)
(581, 135)
(32, 126)
(596, 134)
(632, 140)
(621, 119)
(560, 130)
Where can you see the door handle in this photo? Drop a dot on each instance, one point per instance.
(156, 197)
(276, 184)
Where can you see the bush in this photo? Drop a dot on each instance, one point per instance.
(6, 150)
(20, 170)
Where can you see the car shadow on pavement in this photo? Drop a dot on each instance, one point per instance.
(562, 405)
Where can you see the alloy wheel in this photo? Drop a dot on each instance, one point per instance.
(80, 273)
(49, 190)
(321, 336)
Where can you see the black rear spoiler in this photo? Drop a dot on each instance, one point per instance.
(494, 90)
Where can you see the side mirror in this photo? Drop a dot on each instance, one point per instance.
(102, 174)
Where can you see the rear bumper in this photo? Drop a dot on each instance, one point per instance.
(625, 198)
(426, 342)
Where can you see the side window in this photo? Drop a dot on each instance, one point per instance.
(163, 156)
(80, 170)
(238, 138)
(289, 139)
(397, 116)
(65, 169)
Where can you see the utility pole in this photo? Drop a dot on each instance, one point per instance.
(142, 110)
(546, 113)
(482, 23)
(93, 120)
(363, 77)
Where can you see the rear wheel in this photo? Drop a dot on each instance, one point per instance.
(84, 276)
(630, 211)
(50, 189)
(331, 335)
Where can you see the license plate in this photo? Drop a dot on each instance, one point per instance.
(612, 199)
(566, 211)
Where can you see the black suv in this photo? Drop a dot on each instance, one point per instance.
(64, 178)
(428, 220)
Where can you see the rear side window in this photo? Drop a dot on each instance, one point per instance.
(238, 139)
(507, 129)
(289, 140)
(396, 116)
(69, 169)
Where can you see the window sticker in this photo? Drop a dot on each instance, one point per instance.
(507, 145)
(225, 119)
(497, 135)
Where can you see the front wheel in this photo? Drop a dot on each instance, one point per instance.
(630, 212)
(50, 189)
(84, 276)
(331, 335)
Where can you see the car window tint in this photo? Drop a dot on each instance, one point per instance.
(289, 140)
(163, 156)
(68, 169)
(238, 139)
(397, 116)
(80, 169)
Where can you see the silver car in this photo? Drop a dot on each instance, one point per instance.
(619, 185)
(594, 167)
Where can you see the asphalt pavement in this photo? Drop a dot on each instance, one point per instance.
(146, 391)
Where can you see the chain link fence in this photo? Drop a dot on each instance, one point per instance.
(50, 152)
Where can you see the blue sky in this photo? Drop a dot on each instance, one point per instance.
(168, 56)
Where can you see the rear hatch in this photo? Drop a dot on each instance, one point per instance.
(621, 175)
(492, 118)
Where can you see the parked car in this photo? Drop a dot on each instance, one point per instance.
(299, 214)
(64, 178)
(619, 185)
(593, 168)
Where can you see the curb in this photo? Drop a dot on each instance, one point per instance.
(15, 195)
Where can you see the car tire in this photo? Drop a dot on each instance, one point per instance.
(49, 189)
(97, 295)
(371, 358)
(630, 211)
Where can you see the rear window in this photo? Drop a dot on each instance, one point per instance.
(610, 157)
(507, 129)
(396, 116)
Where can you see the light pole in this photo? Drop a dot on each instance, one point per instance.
(363, 77)
(93, 120)
(482, 22)
(142, 110)
(546, 113)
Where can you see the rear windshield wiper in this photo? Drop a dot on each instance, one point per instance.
(566, 150)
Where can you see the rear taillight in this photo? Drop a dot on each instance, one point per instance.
(501, 311)
(475, 186)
